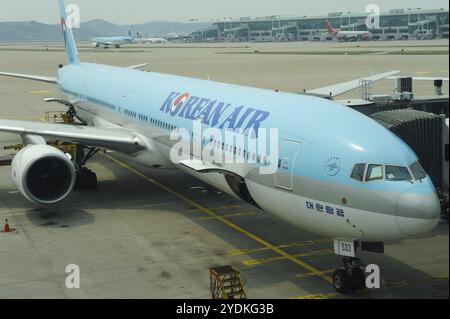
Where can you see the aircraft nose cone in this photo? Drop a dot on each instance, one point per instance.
(418, 211)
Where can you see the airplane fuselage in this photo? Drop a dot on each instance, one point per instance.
(353, 35)
(153, 40)
(111, 41)
(319, 143)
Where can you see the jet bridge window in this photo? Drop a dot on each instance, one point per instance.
(374, 172)
(358, 172)
(397, 173)
(417, 171)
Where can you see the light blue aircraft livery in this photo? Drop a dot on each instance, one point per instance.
(337, 172)
(115, 42)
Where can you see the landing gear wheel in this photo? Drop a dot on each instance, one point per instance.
(86, 179)
(341, 281)
(358, 279)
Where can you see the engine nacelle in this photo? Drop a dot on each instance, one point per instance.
(43, 174)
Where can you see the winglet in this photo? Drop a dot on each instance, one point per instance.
(69, 40)
(137, 66)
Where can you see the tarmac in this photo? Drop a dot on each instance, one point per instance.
(148, 233)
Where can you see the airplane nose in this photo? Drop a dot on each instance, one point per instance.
(418, 211)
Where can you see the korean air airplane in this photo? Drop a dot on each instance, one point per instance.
(115, 42)
(336, 172)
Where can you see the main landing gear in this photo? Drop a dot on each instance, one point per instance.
(350, 278)
(86, 179)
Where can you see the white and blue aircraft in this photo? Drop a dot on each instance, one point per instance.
(338, 173)
(115, 42)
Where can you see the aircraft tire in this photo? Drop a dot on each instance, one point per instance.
(358, 279)
(341, 281)
(86, 179)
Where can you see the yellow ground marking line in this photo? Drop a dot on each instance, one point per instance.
(389, 285)
(253, 262)
(246, 251)
(226, 222)
(220, 207)
(422, 73)
(230, 215)
(318, 296)
(40, 92)
(405, 283)
(328, 271)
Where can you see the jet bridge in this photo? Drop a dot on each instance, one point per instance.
(427, 135)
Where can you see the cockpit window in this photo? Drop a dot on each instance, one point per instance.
(374, 172)
(397, 173)
(358, 172)
(417, 171)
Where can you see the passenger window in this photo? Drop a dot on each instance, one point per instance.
(417, 171)
(358, 172)
(397, 173)
(374, 172)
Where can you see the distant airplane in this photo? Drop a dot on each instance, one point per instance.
(331, 170)
(115, 42)
(347, 35)
(141, 39)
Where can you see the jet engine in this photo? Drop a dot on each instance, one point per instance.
(43, 174)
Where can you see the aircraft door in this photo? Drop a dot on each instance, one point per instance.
(286, 161)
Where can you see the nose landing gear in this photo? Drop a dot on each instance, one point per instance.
(350, 278)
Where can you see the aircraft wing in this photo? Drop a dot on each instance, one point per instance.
(341, 88)
(421, 78)
(48, 79)
(201, 166)
(137, 66)
(117, 138)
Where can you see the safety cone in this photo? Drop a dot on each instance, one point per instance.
(6, 228)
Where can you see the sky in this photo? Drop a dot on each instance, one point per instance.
(140, 11)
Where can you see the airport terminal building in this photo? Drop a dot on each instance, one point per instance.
(394, 25)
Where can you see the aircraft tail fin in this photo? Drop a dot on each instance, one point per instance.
(130, 32)
(329, 27)
(69, 40)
